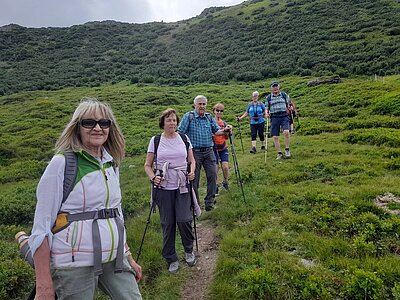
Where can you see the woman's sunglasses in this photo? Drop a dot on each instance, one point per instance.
(219, 110)
(91, 123)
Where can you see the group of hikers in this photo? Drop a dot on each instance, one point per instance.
(78, 240)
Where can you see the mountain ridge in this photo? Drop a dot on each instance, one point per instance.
(247, 42)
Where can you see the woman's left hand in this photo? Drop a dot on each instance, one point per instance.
(136, 267)
(191, 176)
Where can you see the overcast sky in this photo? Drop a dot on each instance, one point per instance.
(64, 13)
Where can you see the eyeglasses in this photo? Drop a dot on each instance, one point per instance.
(219, 110)
(91, 123)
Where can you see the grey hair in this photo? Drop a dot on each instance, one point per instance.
(199, 97)
(256, 93)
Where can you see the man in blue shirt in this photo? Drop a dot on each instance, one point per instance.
(199, 126)
(277, 107)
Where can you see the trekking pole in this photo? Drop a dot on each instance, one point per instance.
(237, 171)
(266, 141)
(294, 126)
(152, 208)
(194, 215)
(240, 134)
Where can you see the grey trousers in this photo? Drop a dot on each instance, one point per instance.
(80, 283)
(207, 161)
(175, 209)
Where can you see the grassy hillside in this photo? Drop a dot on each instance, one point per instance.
(247, 42)
(309, 229)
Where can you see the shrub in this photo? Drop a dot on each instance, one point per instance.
(364, 285)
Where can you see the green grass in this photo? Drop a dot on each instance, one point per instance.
(309, 228)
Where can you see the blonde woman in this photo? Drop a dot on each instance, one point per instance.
(220, 147)
(90, 249)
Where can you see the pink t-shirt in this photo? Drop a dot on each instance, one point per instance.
(173, 153)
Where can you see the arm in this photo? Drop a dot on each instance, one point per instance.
(184, 124)
(192, 164)
(243, 116)
(149, 169)
(134, 265)
(44, 282)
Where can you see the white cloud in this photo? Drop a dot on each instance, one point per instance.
(44, 13)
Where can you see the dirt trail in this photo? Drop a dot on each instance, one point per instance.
(196, 287)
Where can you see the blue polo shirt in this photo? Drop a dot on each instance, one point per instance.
(199, 129)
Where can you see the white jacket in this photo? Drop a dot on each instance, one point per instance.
(96, 187)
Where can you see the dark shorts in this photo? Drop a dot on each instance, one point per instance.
(222, 155)
(277, 123)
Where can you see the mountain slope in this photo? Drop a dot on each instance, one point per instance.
(247, 42)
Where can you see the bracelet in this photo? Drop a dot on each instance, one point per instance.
(152, 180)
(128, 253)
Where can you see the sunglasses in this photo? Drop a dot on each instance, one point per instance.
(91, 123)
(219, 110)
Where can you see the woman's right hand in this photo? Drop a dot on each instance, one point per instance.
(157, 180)
(45, 291)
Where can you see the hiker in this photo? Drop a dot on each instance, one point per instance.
(256, 110)
(172, 157)
(292, 115)
(277, 108)
(80, 243)
(220, 147)
(199, 126)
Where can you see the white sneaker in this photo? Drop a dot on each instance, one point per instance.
(287, 153)
(279, 155)
(190, 259)
(173, 267)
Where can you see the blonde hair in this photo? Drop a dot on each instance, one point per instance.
(218, 105)
(70, 138)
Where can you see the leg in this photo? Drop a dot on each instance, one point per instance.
(285, 127)
(184, 217)
(209, 167)
(121, 285)
(198, 156)
(216, 153)
(166, 206)
(261, 132)
(225, 170)
(74, 283)
(253, 129)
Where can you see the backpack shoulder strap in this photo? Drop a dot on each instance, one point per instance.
(70, 172)
(156, 143)
(191, 116)
(285, 96)
(185, 140)
(208, 116)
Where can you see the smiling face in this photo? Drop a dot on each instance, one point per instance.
(94, 138)
(218, 112)
(170, 123)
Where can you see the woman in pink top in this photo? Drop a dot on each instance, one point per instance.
(172, 159)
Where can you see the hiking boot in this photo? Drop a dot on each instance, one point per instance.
(173, 267)
(253, 150)
(279, 156)
(262, 148)
(209, 207)
(225, 185)
(287, 153)
(190, 259)
(292, 132)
